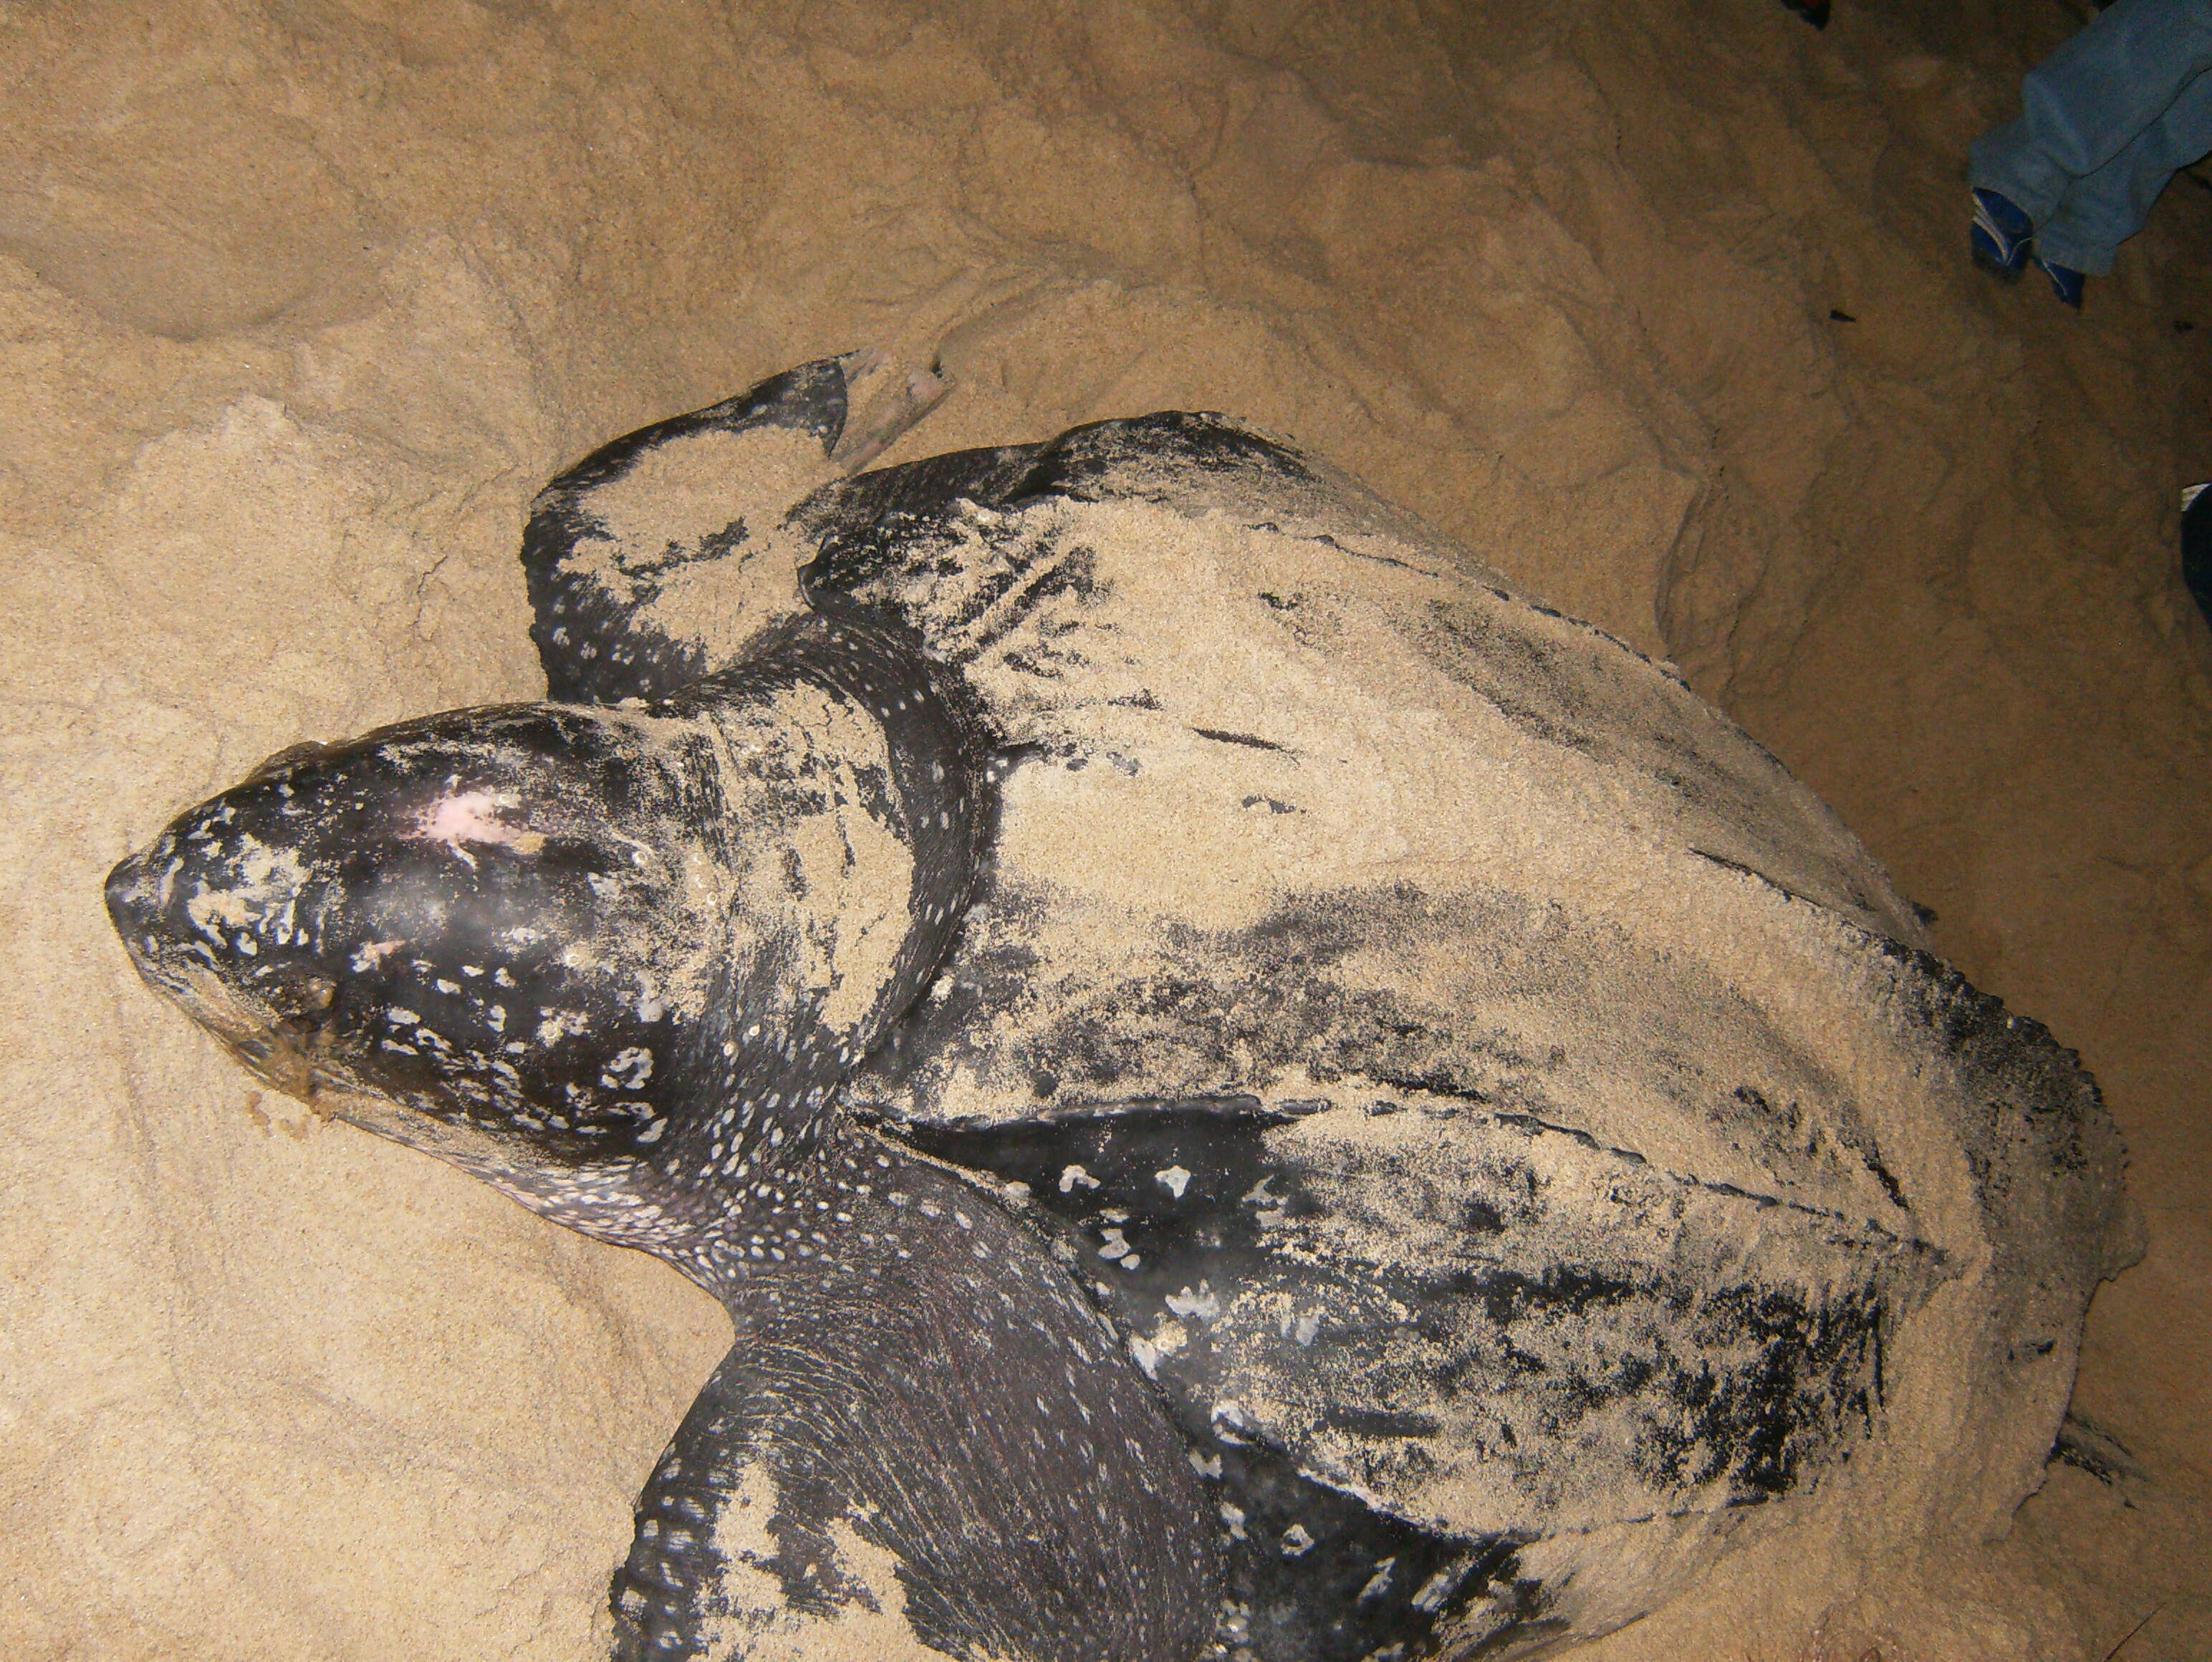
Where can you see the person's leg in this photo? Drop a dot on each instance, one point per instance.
(2100, 210)
(2089, 99)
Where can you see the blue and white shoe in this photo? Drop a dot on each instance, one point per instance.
(2066, 283)
(2001, 235)
(2196, 545)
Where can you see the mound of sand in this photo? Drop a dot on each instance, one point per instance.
(1662, 309)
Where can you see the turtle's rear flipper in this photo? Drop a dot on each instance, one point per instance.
(655, 559)
(888, 416)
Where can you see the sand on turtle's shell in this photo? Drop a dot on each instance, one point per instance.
(1660, 309)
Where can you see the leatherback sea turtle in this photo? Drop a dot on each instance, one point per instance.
(1249, 1090)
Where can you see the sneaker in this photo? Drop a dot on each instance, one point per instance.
(2066, 283)
(2001, 235)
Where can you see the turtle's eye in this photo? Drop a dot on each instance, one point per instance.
(301, 998)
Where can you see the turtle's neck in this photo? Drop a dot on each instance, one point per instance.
(742, 1195)
(752, 1177)
(760, 1173)
(836, 1199)
(748, 1141)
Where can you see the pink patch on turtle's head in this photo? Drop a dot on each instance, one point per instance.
(473, 816)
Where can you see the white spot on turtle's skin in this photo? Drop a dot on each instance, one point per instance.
(1233, 1516)
(1072, 1176)
(1379, 1582)
(1296, 1542)
(1114, 1246)
(1439, 1587)
(1204, 1304)
(402, 1016)
(1205, 1465)
(558, 1023)
(628, 1070)
(1174, 1180)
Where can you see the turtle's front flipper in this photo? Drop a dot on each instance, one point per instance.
(653, 560)
(674, 1583)
(923, 1442)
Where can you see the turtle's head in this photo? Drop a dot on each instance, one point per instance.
(495, 920)
(558, 945)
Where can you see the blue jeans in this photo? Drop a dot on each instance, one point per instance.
(2109, 118)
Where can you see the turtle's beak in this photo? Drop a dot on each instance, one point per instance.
(128, 904)
(210, 951)
(141, 894)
